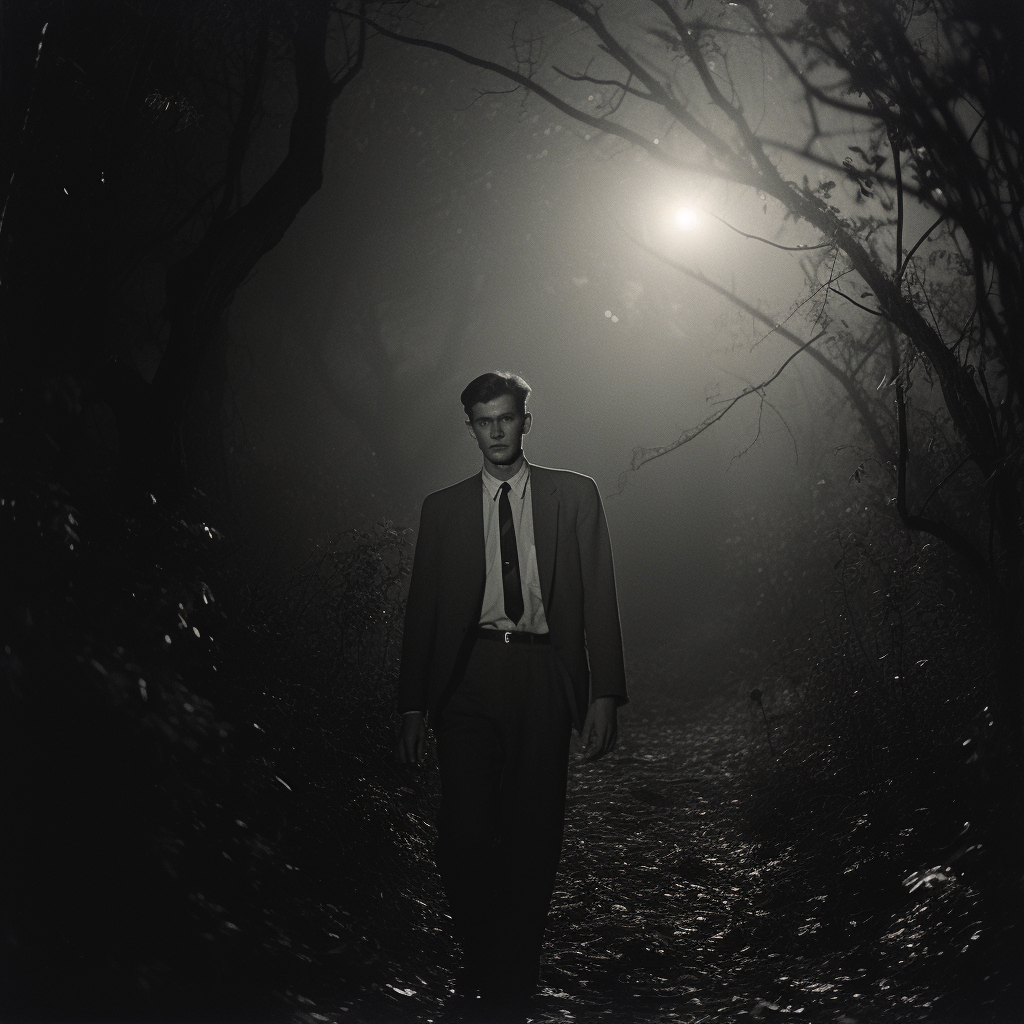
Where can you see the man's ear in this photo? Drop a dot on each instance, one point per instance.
(527, 422)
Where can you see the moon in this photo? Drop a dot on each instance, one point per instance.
(685, 218)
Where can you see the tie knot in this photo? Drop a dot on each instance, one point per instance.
(505, 487)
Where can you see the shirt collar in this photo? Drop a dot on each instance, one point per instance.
(518, 483)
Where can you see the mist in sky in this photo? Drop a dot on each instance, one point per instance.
(460, 230)
(760, 283)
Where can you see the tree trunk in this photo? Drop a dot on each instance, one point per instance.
(202, 284)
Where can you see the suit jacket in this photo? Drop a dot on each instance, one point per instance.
(574, 559)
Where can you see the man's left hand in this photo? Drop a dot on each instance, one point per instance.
(600, 730)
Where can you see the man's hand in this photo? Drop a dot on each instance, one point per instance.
(412, 738)
(600, 730)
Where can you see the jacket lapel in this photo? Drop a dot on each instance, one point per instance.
(544, 493)
(470, 527)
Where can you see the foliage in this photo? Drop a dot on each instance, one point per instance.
(191, 828)
(891, 668)
(341, 608)
(867, 684)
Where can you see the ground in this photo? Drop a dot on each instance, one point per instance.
(668, 909)
(204, 819)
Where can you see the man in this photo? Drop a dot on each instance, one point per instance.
(511, 637)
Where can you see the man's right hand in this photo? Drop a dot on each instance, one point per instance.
(412, 738)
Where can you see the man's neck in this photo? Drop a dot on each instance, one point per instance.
(504, 472)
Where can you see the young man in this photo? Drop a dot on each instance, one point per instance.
(511, 638)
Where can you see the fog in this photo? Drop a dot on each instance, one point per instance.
(457, 232)
(799, 398)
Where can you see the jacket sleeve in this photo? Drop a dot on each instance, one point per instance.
(420, 613)
(600, 604)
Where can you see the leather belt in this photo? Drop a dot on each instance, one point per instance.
(512, 636)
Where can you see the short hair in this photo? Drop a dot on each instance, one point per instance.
(489, 386)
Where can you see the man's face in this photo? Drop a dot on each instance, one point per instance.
(498, 428)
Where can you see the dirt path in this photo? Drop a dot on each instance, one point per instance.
(664, 909)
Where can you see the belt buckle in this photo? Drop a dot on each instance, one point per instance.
(508, 637)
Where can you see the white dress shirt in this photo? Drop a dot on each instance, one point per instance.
(492, 613)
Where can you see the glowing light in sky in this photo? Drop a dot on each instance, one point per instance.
(685, 218)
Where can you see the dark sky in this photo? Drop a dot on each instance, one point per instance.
(457, 233)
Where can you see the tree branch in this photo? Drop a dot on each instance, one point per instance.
(768, 241)
(810, 89)
(253, 71)
(354, 67)
(917, 245)
(597, 123)
(854, 392)
(859, 305)
(614, 82)
(802, 151)
(642, 455)
(942, 483)
(897, 167)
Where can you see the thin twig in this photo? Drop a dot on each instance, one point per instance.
(898, 174)
(768, 241)
(859, 305)
(917, 245)
(642, 455)
(938, 487)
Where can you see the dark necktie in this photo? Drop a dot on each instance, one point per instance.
(510, 581)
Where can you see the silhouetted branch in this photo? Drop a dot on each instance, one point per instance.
(643, 455)
(942, 483)
(839, 168)
(614, 82)
(733, 168)
(854, 392)
(918, 244)
(768, 241)
(201, 284)
(765, 400)
(897, 166)
(253, 71)
(859, 305)
(353, 67)
(597, 123)
(810, 89)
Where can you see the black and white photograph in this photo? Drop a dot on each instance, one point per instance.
(511, 511)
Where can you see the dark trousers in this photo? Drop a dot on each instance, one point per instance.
(503, 747)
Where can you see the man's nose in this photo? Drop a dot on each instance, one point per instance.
(497, 430)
